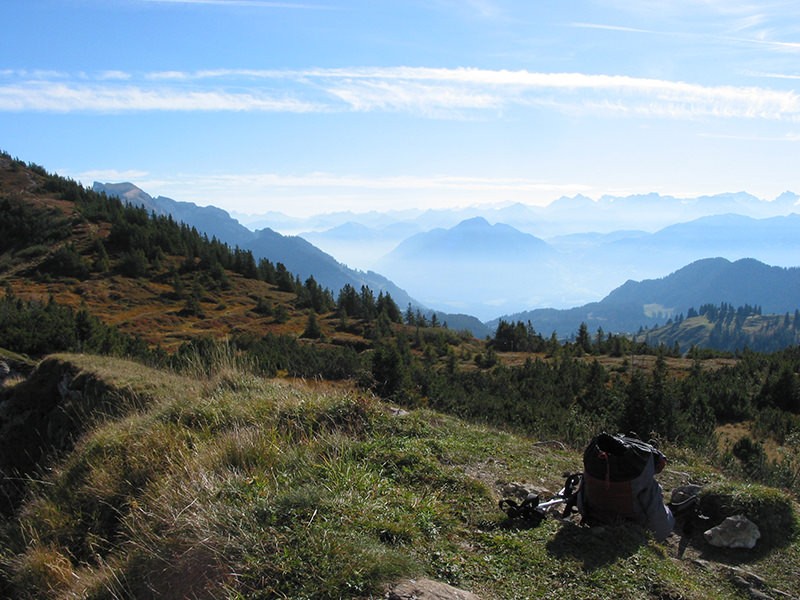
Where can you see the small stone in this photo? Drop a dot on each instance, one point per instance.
(734, 532)
(426, 589)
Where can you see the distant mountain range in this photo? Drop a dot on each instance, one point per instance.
(566, 215)
(653, 302)
(486, 270)
(380, 232)
(299, 256)
(479, 267)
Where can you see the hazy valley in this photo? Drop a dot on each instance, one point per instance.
(488, 264)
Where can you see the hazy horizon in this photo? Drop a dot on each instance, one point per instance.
(495, 262)
(303, 108)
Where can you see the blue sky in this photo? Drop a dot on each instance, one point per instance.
(320, 105)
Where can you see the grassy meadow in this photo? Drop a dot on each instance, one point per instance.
(223, 484)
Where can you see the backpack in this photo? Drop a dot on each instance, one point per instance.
(619, 483)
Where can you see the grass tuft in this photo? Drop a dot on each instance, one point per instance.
(234, 486)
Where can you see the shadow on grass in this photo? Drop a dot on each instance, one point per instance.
(513, 524)
(596, 547)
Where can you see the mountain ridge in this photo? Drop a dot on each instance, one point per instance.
(479, 268)
(473, 267)
(647, 303)
(567, 214)
(297, 254)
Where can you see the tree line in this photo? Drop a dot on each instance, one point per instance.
(38, 328)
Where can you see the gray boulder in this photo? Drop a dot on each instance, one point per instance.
(734, 532)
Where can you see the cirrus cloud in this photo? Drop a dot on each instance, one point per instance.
(424, 91)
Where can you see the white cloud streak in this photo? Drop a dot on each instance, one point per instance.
(622, 28)
(57, 97)
(330, 181)
(746, 30)
(246, 3)
(430, 92)
(111, 175)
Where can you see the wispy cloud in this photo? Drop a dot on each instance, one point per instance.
(111, 175)
(789, 137)
(246, 3)
(789, 76)
(739, 33)
(774, 44)
(57, 97)
(623, 28)
(430, 92)
(330, 181)
(768, 25)
(114, 76)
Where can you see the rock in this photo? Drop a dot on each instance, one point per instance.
(521, 491)
(514, 490)
(427, 589)
(684, 492)
(734, 532)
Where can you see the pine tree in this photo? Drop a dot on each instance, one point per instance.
(312, 330)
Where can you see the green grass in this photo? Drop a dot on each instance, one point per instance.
(226, 485)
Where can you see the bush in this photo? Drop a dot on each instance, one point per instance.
(66, 262)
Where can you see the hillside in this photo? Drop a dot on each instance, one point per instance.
(648, 303)
(727, 328)
(285, 443)
(150, 278)
(296, 254)
(273, 488)
(299, 256)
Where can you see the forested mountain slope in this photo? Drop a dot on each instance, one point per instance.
(636, 304)
(299, 256)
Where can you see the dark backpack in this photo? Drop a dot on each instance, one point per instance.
(618, 482)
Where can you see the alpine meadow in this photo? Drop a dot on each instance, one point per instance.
(181, 419)
(399, 300)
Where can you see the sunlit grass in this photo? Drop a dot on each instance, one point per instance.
(221, 484)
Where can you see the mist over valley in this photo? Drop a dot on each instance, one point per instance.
(534, 262)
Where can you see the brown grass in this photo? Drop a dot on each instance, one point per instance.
(730, 433)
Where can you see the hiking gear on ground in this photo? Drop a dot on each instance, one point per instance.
(619, 484)
(531, 509)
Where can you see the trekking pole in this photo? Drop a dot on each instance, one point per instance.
(532, 509)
